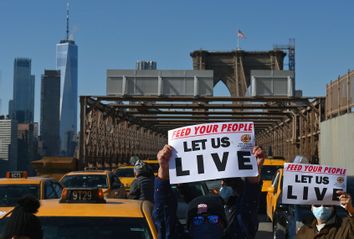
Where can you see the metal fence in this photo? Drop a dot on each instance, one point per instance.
(339, 95)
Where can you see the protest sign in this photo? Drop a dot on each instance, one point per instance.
(312, 184)
(212, 151)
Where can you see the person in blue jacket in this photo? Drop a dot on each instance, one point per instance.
(208, 217)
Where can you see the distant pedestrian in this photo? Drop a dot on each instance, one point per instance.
(23, 224)
(133, 159)
(142, 188)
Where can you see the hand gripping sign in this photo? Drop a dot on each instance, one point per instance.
(312, 184)
(212, 151)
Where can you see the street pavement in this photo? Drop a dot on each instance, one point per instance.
(264, 228)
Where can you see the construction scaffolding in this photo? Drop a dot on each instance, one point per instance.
(115, 128)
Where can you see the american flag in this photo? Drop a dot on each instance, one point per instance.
(240, 35)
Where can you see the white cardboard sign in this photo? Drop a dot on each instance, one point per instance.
(212, 151)
(312, 184)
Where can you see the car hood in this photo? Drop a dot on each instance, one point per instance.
(4, 211)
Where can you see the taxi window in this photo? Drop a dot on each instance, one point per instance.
(50, 190)
(85, 181)
(275, 182)
(2, 223)
(154, 166)
(91, 227)
(125, 172)
(350, 185)
(188, 191)
(10, 194)
(114, 180)
(268, 172)
(58, 188)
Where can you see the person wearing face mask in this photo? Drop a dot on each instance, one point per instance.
(206, 214)
(327, 224)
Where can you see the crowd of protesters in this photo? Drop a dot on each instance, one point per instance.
(232, 214)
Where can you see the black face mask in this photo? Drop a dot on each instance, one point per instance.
(207, 231)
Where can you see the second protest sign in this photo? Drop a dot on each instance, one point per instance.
(312, 184)
(212, 151)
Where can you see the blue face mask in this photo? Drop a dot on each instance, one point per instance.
(322, 213)
(207, 231)
(226, 192)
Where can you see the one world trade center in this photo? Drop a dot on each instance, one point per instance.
(67, 62)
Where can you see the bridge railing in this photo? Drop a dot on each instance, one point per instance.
(340, 95)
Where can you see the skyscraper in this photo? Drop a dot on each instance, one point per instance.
(50, 107)
(26, 147)
(8, 145)
(67, 58)
(23, 91)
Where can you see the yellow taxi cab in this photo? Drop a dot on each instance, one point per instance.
(154, 164)
(125, 175)
(17, 184)
(277, 212)
(274, 193)
(270, 167)
(104, 179)
(85, 213)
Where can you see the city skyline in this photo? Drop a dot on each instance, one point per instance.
(110, 40)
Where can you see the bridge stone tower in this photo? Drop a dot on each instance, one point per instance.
(234, 67)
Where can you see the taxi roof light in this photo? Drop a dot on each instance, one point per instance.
(82, 195)
(16, 174)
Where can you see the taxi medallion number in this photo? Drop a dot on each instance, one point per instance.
(16, 174)
(79, 195)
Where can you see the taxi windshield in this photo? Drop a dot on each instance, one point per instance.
(125, 172)
(85, 181)
(94, 227)
(10, 194)
(154, 166)
(268, 172)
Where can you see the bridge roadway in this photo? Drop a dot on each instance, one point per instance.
(264, 228)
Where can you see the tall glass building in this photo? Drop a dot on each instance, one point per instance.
(67, 61)
(22, 108)
(50, 102)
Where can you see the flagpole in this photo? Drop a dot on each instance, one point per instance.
(236, 70)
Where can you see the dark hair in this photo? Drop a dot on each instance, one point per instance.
(22, 222)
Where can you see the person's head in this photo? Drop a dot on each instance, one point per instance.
(133, 159)
(140, 168)
(323, 212)
(300, 159)
(22, 223)
(206, 218)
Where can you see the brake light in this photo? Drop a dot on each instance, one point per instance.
(64, 194)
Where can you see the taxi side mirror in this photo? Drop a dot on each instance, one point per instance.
(270, 189)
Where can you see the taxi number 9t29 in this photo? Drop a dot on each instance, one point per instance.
(81, 195)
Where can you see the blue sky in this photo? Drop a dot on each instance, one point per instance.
(115, 34)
